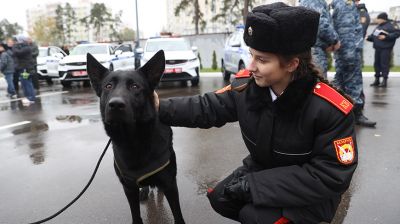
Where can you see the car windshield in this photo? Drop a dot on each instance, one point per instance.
(42, 52)
(93, 49)
(167, 46)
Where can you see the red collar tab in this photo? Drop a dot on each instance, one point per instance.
(331, 95)
(244, 73)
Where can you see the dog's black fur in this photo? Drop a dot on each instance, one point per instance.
(140, 142)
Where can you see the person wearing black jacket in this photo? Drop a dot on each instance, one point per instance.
(22, 52)
(298, 129)
(383, 37)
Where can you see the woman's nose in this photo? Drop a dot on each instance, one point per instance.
(251, 67)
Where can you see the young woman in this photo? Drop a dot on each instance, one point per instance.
(299, 131)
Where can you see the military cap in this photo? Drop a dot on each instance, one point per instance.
(279, 28)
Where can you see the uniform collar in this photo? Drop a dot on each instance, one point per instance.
(290, 100)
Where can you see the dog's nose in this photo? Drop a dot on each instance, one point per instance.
(116, 103)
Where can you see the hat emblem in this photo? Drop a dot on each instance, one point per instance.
(250, 31)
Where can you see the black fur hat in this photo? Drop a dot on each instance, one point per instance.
(383, 16)
(279, 28)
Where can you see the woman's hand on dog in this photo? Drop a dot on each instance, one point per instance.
(156, 101)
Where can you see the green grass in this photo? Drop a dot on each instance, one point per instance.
(365, 69)
(371, 69)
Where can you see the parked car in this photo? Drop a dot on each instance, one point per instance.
(73, 67)
(47, 62)
(236, 54)
(181, 62)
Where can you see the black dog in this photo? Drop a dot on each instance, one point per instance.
(143, 152)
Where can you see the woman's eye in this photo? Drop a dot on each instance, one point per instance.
(108, 86)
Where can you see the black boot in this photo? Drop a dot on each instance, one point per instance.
(376, 82)
(361, 119)
(384, 83)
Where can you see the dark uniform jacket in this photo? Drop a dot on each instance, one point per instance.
(23, 57)
(390, 39)
(299, 141)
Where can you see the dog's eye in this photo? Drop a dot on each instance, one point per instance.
(133, 86)
(108, 86)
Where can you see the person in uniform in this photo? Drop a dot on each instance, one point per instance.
(327, 38)
(298, 129)
(348, 77)
(384, 38)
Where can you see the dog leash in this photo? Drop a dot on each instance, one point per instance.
(82, 192)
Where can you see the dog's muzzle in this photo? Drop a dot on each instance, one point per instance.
(116, 110)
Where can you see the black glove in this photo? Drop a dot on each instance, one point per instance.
(239, 172)
(238, 190)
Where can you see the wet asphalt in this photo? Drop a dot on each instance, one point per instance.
(49, 150)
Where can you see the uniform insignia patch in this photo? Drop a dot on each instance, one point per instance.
(331, 95)
(345, 150)
(226, 88)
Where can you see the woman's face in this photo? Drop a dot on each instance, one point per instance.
(267, 71)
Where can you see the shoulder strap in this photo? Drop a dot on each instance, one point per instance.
(329, 94)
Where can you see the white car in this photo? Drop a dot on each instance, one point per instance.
(73, 67)
(236, 54)
(181, 62)
(47, 62)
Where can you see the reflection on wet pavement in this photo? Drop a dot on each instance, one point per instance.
(34, 127)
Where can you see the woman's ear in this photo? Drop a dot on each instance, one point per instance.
(293, 64)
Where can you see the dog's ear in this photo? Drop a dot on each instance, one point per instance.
(96, 72)
(154, 68)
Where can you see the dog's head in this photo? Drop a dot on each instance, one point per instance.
(126, 97)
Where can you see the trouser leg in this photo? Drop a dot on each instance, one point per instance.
(10, 84)
(385, 62)
(16, 80)
(27, 87)
(377, 63)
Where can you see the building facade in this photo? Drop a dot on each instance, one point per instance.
(80, 31)
(183, 24)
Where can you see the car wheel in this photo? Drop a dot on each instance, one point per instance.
(49, 81)
(86, 83)
(225, 74)
(195, 81)
(66, 84)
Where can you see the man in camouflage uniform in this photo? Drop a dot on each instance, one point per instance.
(346, 22)
(327, 38)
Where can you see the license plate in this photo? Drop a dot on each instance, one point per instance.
(173, 70)
(79, 73)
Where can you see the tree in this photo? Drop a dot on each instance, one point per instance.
(8, 29)
(41, 30)
(69, 21)
(99, 16)
(214, 64)
(197, 14)
(59, 23)
(233, 11)
(115, 23)
(127, 34)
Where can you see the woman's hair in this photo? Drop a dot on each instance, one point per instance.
(307, 67)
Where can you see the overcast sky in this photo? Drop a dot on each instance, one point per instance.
(152, 13)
